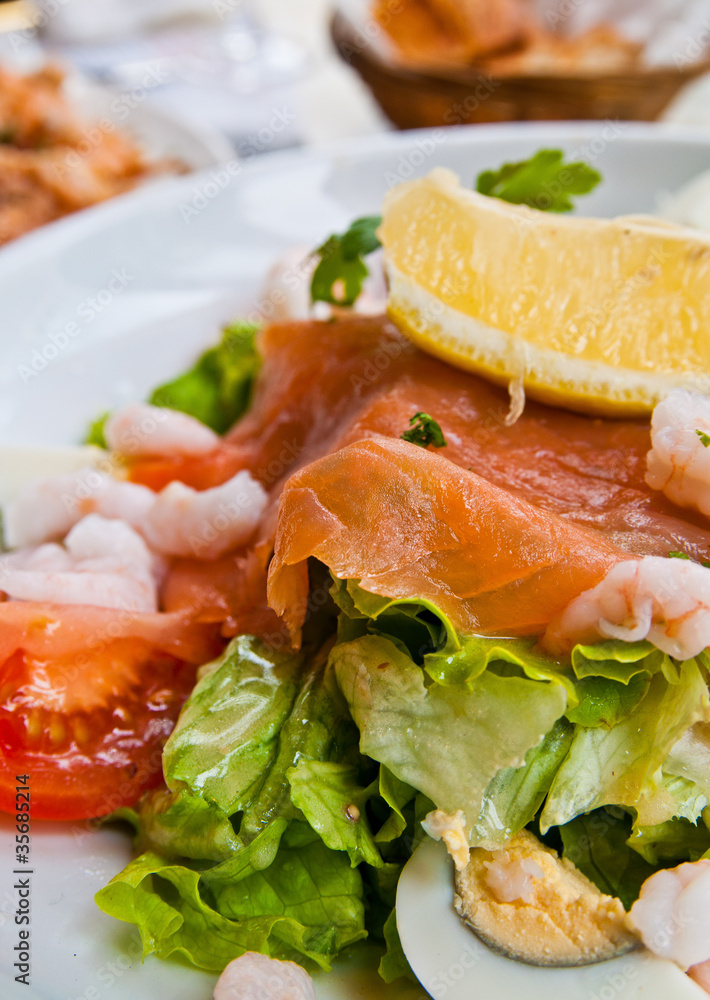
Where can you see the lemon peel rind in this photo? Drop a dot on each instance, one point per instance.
(548, 375)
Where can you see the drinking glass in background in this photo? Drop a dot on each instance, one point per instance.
(217, 63)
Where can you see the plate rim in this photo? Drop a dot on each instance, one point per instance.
(69, 229)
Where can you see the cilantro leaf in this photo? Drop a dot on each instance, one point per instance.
(678, 555)
(544, 181)
(424, 431)
(705, 438)
(341, 263)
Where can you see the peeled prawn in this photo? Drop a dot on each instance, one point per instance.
(255, 976)
(666, 601)
(141, 429)
(204, 524)
(102, 563)
(679, 461)
(672, 914)
(178, 521)
(46, 509)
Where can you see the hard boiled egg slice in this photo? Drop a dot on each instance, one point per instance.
(452, 963)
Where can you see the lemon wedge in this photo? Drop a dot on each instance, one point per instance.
(599, 315)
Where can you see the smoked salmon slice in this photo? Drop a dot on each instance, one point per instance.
(410, 524)
(325, 385)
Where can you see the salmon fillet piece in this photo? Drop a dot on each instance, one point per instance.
(409, 524)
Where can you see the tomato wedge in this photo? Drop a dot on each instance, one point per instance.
(88, 697)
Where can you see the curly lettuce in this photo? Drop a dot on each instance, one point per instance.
(297, 782)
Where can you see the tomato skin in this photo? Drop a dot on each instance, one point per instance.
(87, 719)
(114, 768)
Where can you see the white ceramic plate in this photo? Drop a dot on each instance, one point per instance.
(181, 259)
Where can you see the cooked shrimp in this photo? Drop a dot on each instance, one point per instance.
(672, 914)
(287, 289)
(204, 524)
(256, 976)
(141, 429)
(102, 563)
(46, 509)
(664, 600)
(679, 461)
(179, 521)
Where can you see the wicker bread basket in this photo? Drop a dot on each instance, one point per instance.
(458, 95)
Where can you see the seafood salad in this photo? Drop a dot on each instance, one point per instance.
(53, 163)
(435, 567)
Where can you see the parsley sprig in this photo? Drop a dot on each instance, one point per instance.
(544, 181)
(341, 271)
(424, 430)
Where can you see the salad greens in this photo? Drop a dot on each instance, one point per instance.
(297, 781)
(216, 390)
(544, 182)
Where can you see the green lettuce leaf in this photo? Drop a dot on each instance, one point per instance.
(398, 795)
(515, 795)
(621, 765)
(228, 734)
(95, 433)
(690, 757)
(250, 720)
(217, 389)
(604, 702)
(180, 824)
(431, 639)
(394, 964)
(314, 888)
(597, 844)
(331, 798)
(296, 900)
(672, 842)
(616, 660)
(448, 742)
